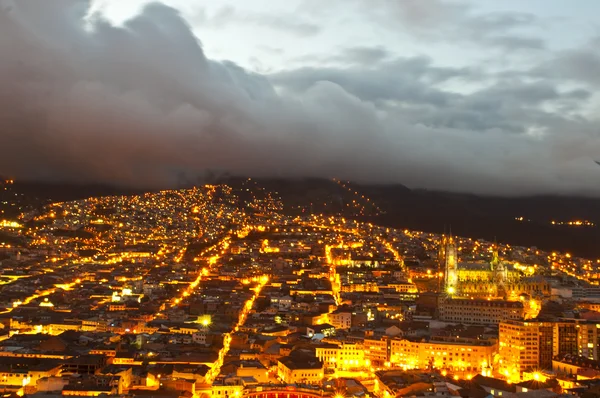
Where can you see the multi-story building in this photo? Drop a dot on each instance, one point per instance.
(450, 353)
(24, 371)
(359, 286)
(565, 338)
(531, 345)
(377, 351)
(293, 370)
(525, 346)
(577, 337)
(479, 311)
(342, 356)
(403, 287)
(586, 293)
(340, 319)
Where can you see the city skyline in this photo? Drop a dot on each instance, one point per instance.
(299, 199)
(231, 290)
(458, 96)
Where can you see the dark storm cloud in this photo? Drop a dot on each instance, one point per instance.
(141, 104)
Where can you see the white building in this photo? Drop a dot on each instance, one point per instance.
(340, 320)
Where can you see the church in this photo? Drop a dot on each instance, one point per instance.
(493, 279)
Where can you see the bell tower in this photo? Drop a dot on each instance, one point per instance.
(495, 257)
(499, 272)
(450, 266)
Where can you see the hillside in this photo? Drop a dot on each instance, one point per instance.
(389, 205)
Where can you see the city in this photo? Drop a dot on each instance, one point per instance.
(299, 198)
(197, 292)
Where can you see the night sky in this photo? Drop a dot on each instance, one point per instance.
(486, 96)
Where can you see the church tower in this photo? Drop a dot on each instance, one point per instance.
(441, 261)
(499, 273)
(495, 257)
(450, 266)
(442, 252)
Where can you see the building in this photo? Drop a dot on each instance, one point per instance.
(525, 346)
(227, 387)
(448, 353)
(403, 287)
(298, 369)
(400, 383)
(565, 338)
(123, 373)
(574, 366)
(576, 337)
(190, 372)
(247, 369)
(486, 279)
(593, 306)
(479, 311)
(450, 265)
(93, 386)
(25, 371)
(343, 356)
(340, 319)
(377, 351)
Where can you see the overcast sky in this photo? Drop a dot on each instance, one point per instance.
(485, 96)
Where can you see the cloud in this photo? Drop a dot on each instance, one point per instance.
(577, 65)
(292, 23)
(362, 55)
(420, 14)
(410, 87)
(400, 79)
(516, 43)
(455, 21)
(83, 100)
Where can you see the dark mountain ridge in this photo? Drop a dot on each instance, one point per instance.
(397, 206)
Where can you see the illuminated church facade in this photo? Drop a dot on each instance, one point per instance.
(493, 279)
